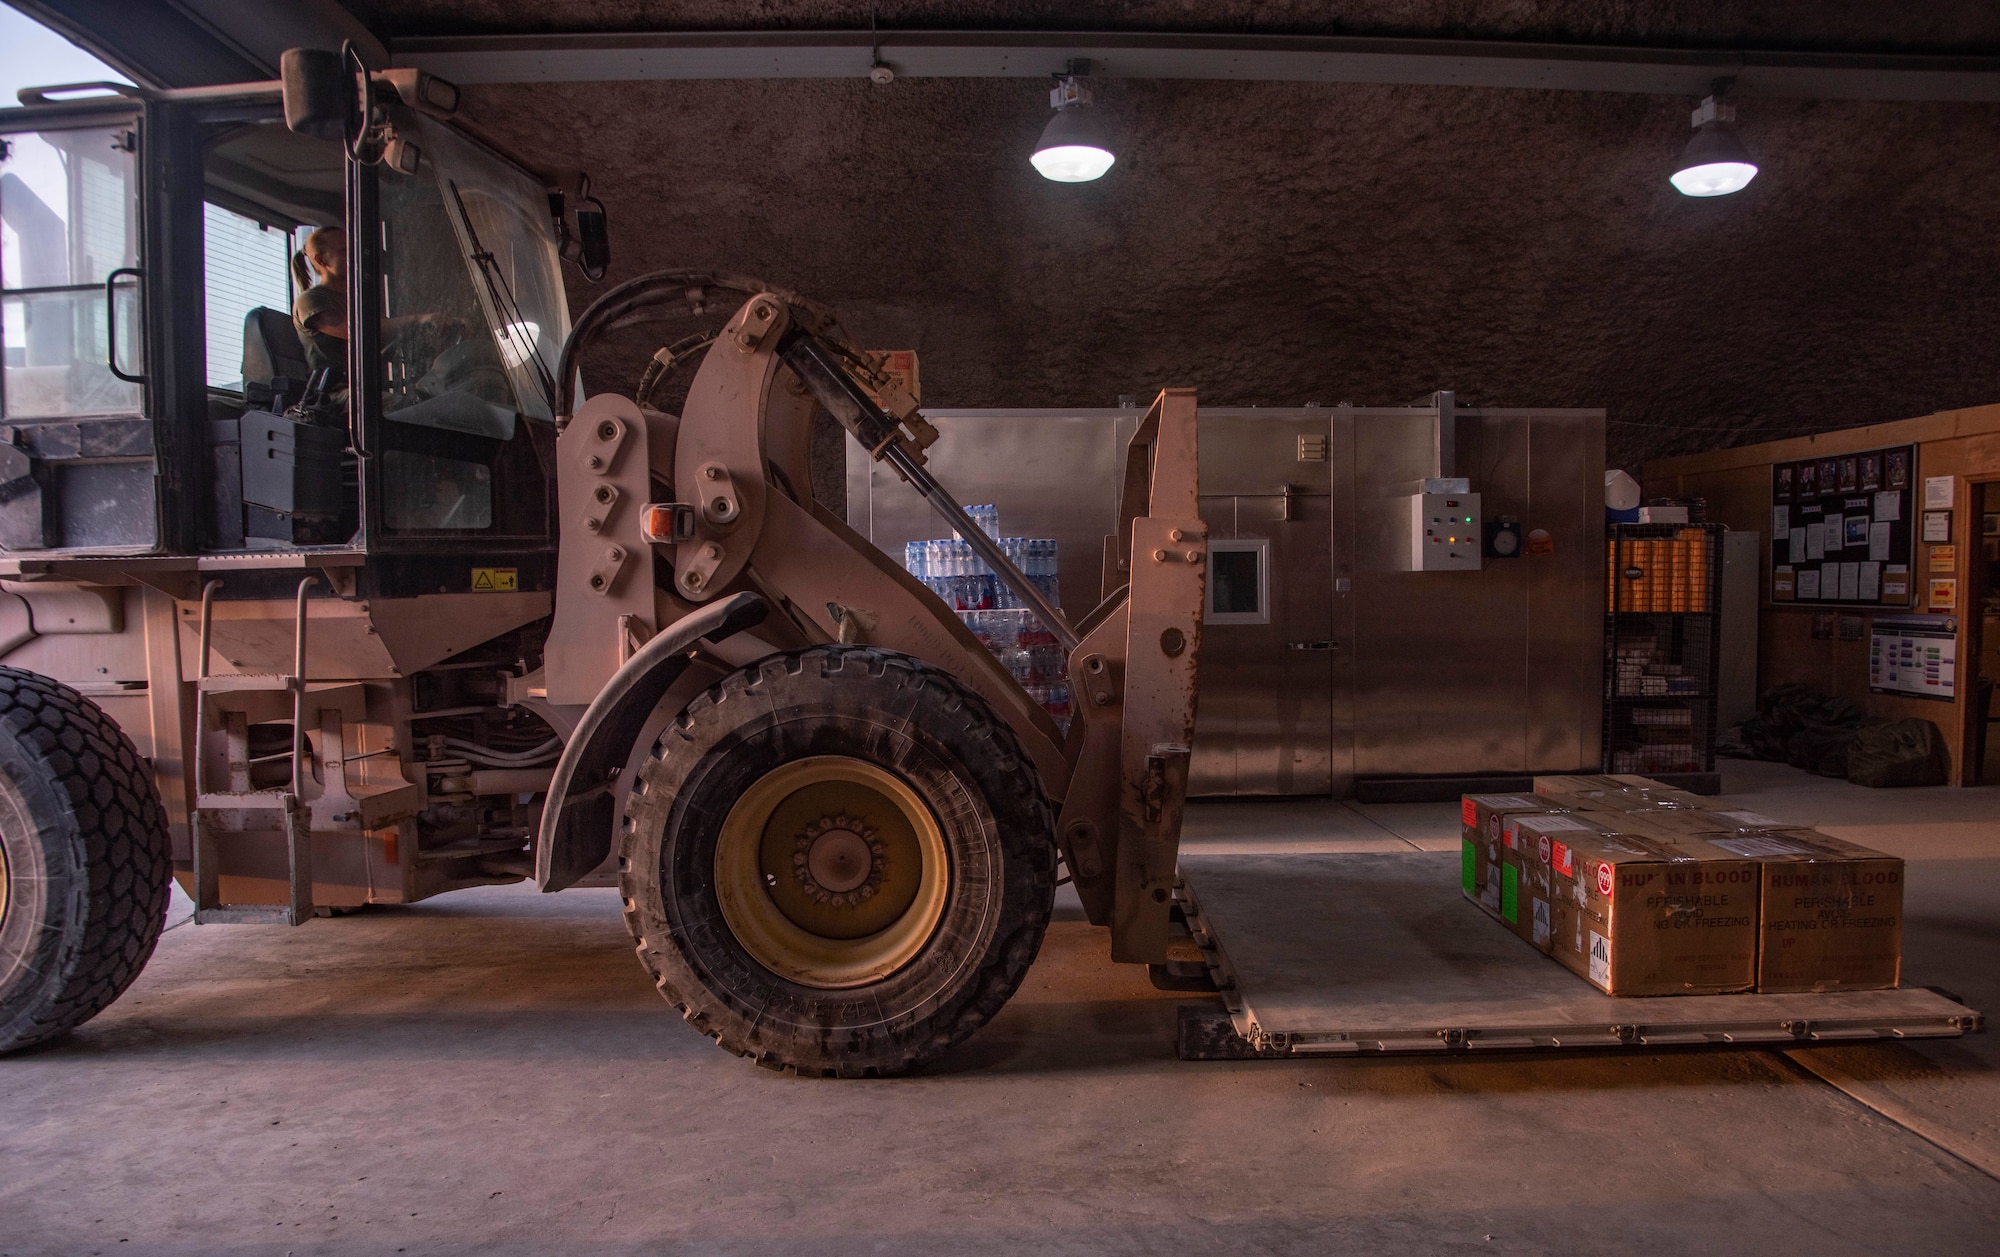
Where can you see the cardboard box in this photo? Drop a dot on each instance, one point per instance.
(1623, 793)
(1831, 912)
(1527, 844)
(1638, 915)
(1480, 819)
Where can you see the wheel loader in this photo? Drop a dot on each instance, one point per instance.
(307, 637)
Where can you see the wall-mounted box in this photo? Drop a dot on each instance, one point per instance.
(1445, 532)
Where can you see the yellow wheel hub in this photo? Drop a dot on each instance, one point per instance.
(831, 872)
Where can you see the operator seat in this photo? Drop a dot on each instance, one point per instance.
(272, 350)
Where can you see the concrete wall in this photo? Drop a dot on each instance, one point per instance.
(1964, 444)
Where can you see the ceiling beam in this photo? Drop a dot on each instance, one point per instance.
(1290, 59)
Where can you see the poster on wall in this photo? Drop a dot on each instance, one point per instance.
(1914, 654)
(1842, 528)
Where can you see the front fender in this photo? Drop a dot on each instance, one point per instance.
(579, 818)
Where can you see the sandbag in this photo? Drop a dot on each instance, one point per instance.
(1898, 753)
(1818, 749)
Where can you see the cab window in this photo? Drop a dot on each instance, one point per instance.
(473, 320)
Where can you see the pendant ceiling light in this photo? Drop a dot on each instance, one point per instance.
(1714, 162)
(1073, 148)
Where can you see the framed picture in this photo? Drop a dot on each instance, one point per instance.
(1937, 526)
(1850, 474)
(1857, 530)
(1989, 524)
(1829, 475)
(1808, 480)
(1850, 628)
(1871, 472)
(1782, 489)
(1896, 469)
(1822, 626)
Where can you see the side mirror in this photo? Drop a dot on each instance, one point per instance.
(318, 93)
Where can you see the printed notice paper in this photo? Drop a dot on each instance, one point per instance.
(1850, 581)
(1871, 582)
(1889, 505)
(1878, 541)
(1809, 583)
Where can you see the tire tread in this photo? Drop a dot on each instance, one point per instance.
(127, 858)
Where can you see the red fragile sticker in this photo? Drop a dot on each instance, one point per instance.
(1603, 877)
(1510, 834)
(1468, 811)
(1544, 852)
(1562, 859)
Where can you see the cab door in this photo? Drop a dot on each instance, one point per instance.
(78, 462)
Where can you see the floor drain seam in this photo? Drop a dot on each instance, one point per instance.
(1792, 1055)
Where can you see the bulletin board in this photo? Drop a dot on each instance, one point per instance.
(1843, 529)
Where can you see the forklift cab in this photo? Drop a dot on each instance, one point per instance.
(156, 397)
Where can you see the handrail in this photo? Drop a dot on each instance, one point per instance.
(298, 680)
(111, 320)
(201, 691)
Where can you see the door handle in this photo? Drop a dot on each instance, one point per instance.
(111, 321)
(1310, 646)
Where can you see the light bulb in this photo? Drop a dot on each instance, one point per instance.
(1072, 148)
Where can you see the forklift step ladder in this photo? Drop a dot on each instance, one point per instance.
(204, 819)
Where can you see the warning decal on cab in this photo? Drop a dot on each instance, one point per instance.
(496, 580)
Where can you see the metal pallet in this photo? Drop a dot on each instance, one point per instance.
(1346, 954)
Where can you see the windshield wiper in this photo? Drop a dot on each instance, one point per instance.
(515, 322)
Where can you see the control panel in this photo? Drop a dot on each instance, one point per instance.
(1445, 532)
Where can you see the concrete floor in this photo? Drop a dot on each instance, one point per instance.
(491, 1073)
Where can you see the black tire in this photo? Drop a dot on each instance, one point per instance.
(87, 860)
(934, 735)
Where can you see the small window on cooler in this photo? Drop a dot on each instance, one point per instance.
(1239, 581)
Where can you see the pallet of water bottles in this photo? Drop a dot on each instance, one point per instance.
(994, 613)
(956, 573)
(1030, 653)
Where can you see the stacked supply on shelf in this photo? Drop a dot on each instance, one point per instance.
(1642, 889)
(1666, 742)
(1661, 647)
(994, 613)
(1645, 667)
(1669, 572)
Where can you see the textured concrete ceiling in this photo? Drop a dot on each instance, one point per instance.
(1936, 25)
(1281, 243)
